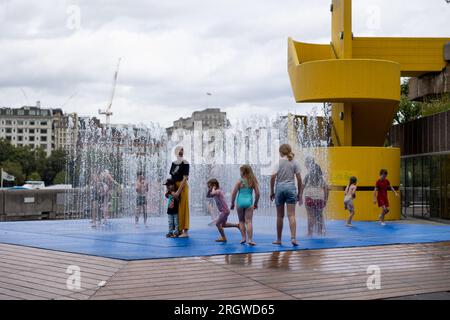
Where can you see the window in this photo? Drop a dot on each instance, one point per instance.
(8, 138)
(20, 122)
(8, 130)
(20, 138)
(19, 130)
(43, 123)
(44, 131)
(31, 138)
(31, 130)
(8, 122)
(44, 138)
(31, 123)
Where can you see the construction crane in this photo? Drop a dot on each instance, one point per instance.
(107, 112)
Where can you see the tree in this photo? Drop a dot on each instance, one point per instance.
(34, 176)
(408, 110)
(54, 164)
(60, 178)
(6, 149)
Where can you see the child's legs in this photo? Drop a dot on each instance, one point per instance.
(319, 220)
(221, 222)
(171, 220)
(176, 223)
(241, 216)
(94, 212)
(310, 214)
(384, 211)
(280, 218)
(136, 216)
(106, 207)
(351, 210)
(292, 221)
(144, 212)
(249, 223)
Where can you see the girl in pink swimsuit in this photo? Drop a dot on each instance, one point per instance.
(219, 197)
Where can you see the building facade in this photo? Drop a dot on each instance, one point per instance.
(425, 165)
(65, 129)
(28, 126)
(211, 118)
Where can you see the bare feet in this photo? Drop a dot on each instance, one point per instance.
(251, 243)
(221, 239)
(294, 242)
(277, 242)
(184, 234)
(243, 241)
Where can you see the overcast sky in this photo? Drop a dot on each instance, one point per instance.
(174, 52)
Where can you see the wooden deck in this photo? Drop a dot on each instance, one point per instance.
(28, 273)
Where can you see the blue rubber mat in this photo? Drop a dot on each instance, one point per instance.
(121, 240)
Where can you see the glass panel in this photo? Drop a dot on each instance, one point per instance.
(409, 199)
(426, 185)
(417, 185)
(435, 182)
(445, 166)
(402, 185)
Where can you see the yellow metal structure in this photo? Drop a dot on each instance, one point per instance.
(361, 78)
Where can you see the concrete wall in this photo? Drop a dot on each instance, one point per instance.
(431, 83)
(2, 211)
(31, 204)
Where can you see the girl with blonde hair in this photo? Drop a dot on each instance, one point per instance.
(245, 203)
(284, 191)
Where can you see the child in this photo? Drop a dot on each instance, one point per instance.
(315, 191)
(141, 199)
(245, 205)
(97, 194)
(172, 207)
(349, 195)
(380, 194)
(218, 195)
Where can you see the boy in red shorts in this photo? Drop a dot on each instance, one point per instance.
(380, 195)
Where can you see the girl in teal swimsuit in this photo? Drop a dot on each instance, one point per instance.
(245, 203)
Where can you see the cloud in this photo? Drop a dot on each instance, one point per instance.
(173, 52)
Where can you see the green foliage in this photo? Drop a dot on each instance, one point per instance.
(34, 176)
(436, 104)
(408, 110)
(60, 178)
(33, 164)
(411, 110)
